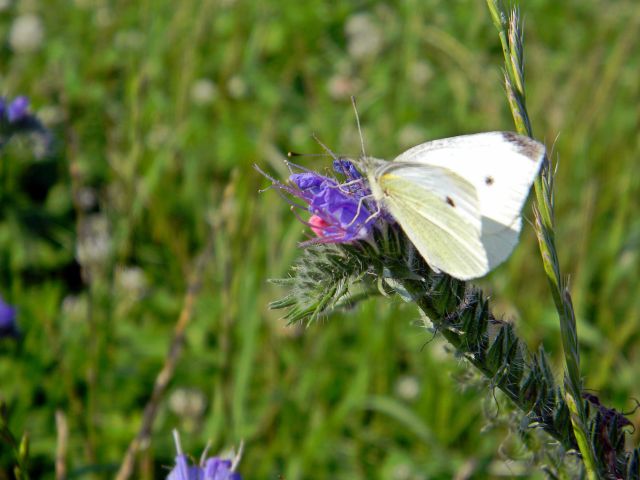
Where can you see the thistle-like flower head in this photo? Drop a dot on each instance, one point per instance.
(340, 212)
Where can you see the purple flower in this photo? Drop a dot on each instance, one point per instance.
(339, 215)
(340, 212)
(16, 120)
(346, 168)
(17, 109)
(213, 468)
(218, 469)
(311, 183)
(184, 471)
(8, 325)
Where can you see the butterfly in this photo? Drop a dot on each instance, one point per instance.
(459, 199)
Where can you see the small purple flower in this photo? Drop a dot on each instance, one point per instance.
(357, 186)
(17, 109)
(340, 212)
(8, 325)
(184, 471)
(16, 120)
(339, 215)
(218, 469)
(213, 468)
(346, 168)
(311, 183)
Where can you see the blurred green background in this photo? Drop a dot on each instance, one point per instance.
(160, 109)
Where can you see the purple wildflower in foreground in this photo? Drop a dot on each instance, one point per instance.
(17, 110)
(338, 213)
(213, 468)
(17, 120)
(8, 325)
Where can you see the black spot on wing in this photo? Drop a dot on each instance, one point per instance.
(450, 201)
(489, 180)
(525, 145)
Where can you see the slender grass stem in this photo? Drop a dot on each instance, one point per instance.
(510, 33)
(62, 445)
(171, 360)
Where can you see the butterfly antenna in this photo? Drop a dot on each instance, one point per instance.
(288, 163)
(298, 154)
(326, 149)
(355, 109)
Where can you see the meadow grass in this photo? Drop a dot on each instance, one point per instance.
(160, 109)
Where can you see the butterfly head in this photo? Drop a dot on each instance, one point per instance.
(369, 167)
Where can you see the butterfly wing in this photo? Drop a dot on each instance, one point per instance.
(500, 165)
(500, 242)
(439, 212)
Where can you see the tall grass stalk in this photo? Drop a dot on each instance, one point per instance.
(511, 37)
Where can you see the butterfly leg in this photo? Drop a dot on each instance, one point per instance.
(359, 209)
(374, 214)
(347, 184)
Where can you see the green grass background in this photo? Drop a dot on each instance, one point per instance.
(115, 82)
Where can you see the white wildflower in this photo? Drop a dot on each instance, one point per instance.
(87, 198)
(204, 92)
(407, 387)
(74, 307)
(26, 34)
(158, 136)
(103, 17)
(364, 36)
(131, 281)
(94, 242)
(187, 402)
(342, 86)
(420, 73)
(401, 471)
(51, 115)
(237, 87)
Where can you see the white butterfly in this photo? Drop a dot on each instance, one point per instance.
(459, 199)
